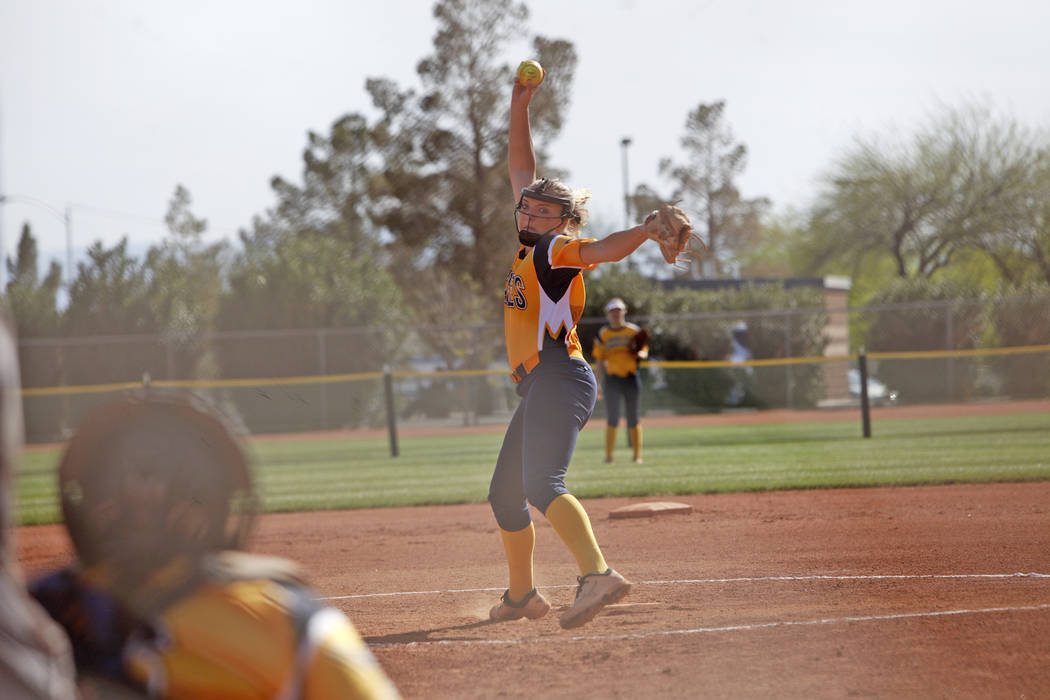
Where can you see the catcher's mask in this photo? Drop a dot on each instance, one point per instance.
(146, 480)
(529, 238)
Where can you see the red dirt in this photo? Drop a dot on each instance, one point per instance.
(881, 592)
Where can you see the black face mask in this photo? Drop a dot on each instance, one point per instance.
(528, 238)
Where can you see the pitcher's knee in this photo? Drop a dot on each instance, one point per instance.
(541, 494)
(511, 514)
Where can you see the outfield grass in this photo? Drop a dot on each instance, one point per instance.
(359, 473)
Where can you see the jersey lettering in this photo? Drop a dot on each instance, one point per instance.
(514, 292)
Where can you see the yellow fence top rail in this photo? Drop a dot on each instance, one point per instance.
(364, 376)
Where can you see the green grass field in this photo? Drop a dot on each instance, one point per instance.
(455, 468)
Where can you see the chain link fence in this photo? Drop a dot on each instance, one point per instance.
(331, 379)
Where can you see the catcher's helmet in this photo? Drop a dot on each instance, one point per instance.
(147, 479)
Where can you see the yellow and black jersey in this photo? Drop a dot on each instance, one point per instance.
(543, 300)
(273, 641)
(612, 345)
(233, 625)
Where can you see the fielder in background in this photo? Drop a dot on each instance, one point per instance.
(163, 602)
(36, 662)
(543, 300)
(617, 348)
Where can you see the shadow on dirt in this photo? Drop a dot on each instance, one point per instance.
(419, 636)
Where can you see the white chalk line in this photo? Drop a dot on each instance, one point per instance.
(749, 579)
(728, 628)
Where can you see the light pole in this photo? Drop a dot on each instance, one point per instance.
(624, 143)
(65, 216)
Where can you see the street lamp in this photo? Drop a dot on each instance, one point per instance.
(65, 216)
(624, 143)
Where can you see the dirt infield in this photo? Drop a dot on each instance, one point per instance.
(937, 591)
(906, 592)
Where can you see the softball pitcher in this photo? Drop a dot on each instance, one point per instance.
(617, 348)
(543, 299)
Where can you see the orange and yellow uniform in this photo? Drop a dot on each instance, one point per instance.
(543, 299)
(612, 345)
(233, 626)
(620, 383)
(255, 639)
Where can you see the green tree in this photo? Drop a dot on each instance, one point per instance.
(327, 300)
(307, 281)
(184, 282)
(33, 301)
(700, 329)
(315, 260)
(442, 192)
(109, 295)
(1020, 316)
(1020, 245)
(962, 181)
(332, 198)
(775, 251)
(921, 314)
(705, 185)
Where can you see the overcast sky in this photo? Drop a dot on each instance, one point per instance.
(107, 105)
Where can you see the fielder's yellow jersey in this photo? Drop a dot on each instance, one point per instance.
(543, 300)
(255, 639)
(611, 345)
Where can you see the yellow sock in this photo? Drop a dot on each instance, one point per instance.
(568, 518)
(518, 546)
(636, 440)
(610, 440)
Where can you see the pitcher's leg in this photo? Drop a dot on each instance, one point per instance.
(558, 405)
(518, 547)
(507, 489)
(569, 519)
(632, 401)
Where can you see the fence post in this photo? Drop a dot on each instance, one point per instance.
(949, 344)
(391, 414)
(169, 358)
(473, 383)
(865, 409)
(322, 369)
(789, 377)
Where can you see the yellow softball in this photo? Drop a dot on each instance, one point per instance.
(530, 73)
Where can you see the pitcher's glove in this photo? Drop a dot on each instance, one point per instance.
(638, 341)
(670, 227)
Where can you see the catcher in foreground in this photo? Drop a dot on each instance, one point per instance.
(617, 349)
(163, 602)
(543, 300)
